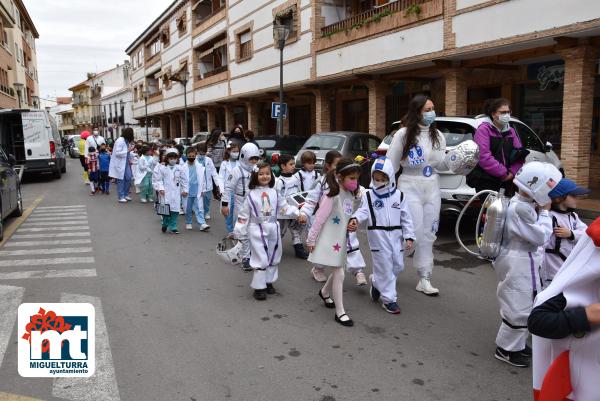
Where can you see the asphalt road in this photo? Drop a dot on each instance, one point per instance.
(176, 323)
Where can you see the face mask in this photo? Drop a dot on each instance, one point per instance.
(351, 185)
(379, 184)
(96, 133)
(191, 159)
(172, 162)
(428, 117)
(235, 155)
(504, 119)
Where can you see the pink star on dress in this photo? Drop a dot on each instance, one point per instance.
(337, 247)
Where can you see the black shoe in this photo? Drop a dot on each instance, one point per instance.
(270, 289)
(300, 251)
(327, 301)
(375, 294)
(347, 323)
(512, 358)
(246, 265)
(526, 352)
(260, 295)
(163, 229)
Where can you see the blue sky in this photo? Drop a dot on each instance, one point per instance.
(79, 36)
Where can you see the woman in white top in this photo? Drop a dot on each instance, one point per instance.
(419, 149)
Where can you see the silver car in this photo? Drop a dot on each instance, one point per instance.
(454, 188)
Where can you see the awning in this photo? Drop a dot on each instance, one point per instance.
(197, 4)
(245, 37)
(220, 43)
(206, 53)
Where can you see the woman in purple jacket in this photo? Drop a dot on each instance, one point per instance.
(501, 151)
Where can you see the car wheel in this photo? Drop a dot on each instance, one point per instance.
(57, 174)
(64, 168)
(19, 210)
(1, 229)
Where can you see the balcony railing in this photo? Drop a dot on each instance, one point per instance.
(216, 71)
(371, 15)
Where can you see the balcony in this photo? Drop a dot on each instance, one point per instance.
(378, 19)
(80, 101)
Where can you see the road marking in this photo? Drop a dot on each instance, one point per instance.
(54, 223)
(53, 235)
(53, 251)
(16, 223)
(58, 215)
(59, 212)
(42, 262)
(10, 299)
(57, 242)
(103, 384)
(69, 273)
(39, 229)
(60, 207)
(82, 220)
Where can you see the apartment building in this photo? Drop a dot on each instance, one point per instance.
(18, 61)
(354, 64)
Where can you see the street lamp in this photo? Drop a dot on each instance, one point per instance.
(19, 87)
(280, 33)
(183, 77)
(145, 95)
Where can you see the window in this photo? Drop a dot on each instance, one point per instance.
(153, 85)
(211, 58)
(528, 138)
(153, 48)
(17, 54)
(244, 46)
(289, 17)
(204, 9)
(181, 23)
(4, 84)
(165, 36)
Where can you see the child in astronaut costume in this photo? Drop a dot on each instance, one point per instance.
(389, 225)
(565, 324)
(237, 185)
(170, 180)
(420, 181)
(355, 263)
(566, 225)
(526, 229)
(257, 220)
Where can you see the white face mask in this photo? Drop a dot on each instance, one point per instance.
(235, 155)
(96, 133)
(504, 119)
(172, 162)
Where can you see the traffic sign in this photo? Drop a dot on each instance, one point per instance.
(277, 108)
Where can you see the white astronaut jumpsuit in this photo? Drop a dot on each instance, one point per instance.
(287, 186)
(258, 218)
(237, 184)
(355, 262)
(420, 184)
(517, 268)
(388, 224)
(558, 249)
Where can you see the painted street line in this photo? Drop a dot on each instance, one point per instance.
(59, 207)
(10, 299)
(58, 220)
(103, 384)
(53, 251)
(13, 244)
(70, 273)
(43, 262)
(53, 223)
(53, 235)
(40, 229)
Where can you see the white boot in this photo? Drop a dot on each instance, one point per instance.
(426, 288)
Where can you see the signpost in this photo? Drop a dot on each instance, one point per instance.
(277, 108)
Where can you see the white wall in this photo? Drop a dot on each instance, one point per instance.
(518, 17)
(415, 41)
(460, 4)
(292, 72)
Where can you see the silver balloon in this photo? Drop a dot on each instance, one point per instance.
(463, 158)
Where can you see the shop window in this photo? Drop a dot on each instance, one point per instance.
(211, 58)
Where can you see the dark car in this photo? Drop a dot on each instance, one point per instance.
(11, 201)
(271, 147)
(349, 144)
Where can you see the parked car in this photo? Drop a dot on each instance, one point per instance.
(32, 137)
(199, 137)
(183, 141)
(73, 146)
(349, 144)
(454, 188)
(271, 147)
(11, 201)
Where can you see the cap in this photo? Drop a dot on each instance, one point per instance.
(567, 187)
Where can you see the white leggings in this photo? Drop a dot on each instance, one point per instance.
(424, 201)
(334, 287)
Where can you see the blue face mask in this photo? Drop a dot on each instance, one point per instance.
(428, 117)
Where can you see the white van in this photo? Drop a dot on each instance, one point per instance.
(32, 137)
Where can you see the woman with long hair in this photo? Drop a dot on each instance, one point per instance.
(419, 148)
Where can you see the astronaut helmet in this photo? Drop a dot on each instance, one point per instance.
(247, 152)
(537, 179)
(385, 166)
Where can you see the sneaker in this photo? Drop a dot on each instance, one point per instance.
(163, 229)
(144, 200)
(128, 198)
(181, 212)
(174, 231)
(526, 352)
(300, 251)
(512, 358)
(270, 289)
(318, 275)
(260, 295)
(189, 227)
(374, 292)
(122, 200)
(92, 193)
(207, 217)
(426, 288)
(392, 308)
(246, 265)
(137, 190)
(361, 280)
(204, 227)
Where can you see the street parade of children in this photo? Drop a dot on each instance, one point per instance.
(546, 258)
